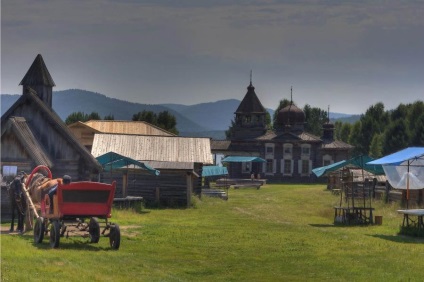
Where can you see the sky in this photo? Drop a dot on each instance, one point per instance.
(347, 55)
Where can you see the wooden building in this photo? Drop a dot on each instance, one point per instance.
(290, 152)
(33, 134)
(179, 159)
(84, 131)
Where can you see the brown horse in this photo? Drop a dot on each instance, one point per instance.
(40, 185)
(37, 185)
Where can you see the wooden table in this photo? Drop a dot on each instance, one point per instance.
(353, 215)
(408, 218)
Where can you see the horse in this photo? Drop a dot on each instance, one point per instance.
(37, 185)
(18, 203)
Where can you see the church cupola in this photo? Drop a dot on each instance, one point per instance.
(39, 79)
(291, 117)
(250, 116)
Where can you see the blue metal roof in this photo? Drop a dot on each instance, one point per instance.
(214, 170)
(238, 159)
(360, 161)
(112, 160)
(401, 156)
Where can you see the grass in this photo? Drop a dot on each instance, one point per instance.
(277, 233)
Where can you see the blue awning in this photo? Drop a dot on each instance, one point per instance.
(240, 159)
(112, 160)
(401, 156)
(404, 169)
(320, 171)
(360, 161)
(214, 171)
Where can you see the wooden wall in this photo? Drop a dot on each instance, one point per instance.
(170, 188)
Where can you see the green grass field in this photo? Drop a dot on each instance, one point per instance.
(277, 233)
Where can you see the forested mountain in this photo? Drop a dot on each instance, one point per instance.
(73, 100)
(376, 132)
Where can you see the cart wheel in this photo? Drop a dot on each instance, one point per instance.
(115, 237)
(39, 230)
(94, 230)
(54, 234)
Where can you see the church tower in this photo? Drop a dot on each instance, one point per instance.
(39, 79)
(250, 116)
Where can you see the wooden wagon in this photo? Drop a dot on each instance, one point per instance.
(71, 206)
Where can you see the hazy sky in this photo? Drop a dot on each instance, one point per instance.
(346, 54)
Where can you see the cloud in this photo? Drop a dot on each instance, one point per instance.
(203, 48)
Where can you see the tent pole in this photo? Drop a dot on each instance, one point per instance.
(407, 188)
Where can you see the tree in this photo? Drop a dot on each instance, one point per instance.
(80, 116)
(167, 121)
(396, 137)
(163, 120)
(354, 137)
(109, 117)
(345, 132)
(417, 136)
(376, 146)
(314, 119)
(147, 116)
(373, 122)
(230, 131)
(76, 116)
(94, 116)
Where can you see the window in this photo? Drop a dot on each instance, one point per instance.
(269, 166)
(306, 150)
(327, 160)
(287, 167)
(248, 119)
(287, 149)
(269, 150)
(305, 166)
(246, 167)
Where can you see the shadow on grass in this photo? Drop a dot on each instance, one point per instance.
(72, 243)
(338, 225)
(400, 238)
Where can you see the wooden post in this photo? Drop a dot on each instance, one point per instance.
(189, 188)
(32, 211)
(157, 195)
(125, 184)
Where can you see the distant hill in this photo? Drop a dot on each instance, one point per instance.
(214, 115)
(73, 100)
(347, 119)
(199, 120)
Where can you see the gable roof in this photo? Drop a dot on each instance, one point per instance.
(27, 139)
(250, 103)
(53, 119)
(38, 74)
(154, 148)
(126, 127)
(289, 136)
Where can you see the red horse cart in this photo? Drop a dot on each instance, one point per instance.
(75, 207)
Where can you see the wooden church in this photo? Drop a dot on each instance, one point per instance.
(289, 151)
(33, 134)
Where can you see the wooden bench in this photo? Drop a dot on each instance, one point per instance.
(335, 191)
(257, 186)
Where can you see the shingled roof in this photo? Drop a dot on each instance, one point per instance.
(250, 102)
(27, 139)
(38, 74)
